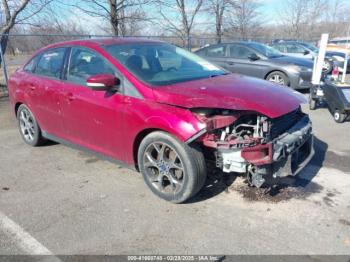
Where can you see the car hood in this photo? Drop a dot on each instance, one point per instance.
(231, 91)
(290, 60)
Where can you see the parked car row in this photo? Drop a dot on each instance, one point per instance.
(285, 62)
(334, 57)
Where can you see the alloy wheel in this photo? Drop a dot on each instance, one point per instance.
(27, 125)
(326, 66)
(164, 168)
(337, 116)
(276, 78)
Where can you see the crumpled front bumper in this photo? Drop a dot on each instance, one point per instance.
(293, 150)
(287, 154)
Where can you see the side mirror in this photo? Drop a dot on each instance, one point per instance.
(306, 52)
(102, 82)
(253, 57)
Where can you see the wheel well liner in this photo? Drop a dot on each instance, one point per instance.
(17, 106)
(140, 136)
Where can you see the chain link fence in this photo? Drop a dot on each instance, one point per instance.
(21, 46)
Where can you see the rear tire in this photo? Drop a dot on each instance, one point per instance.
(339, 117)
(173, 170)
(312, 104)
(29, 127)
(327, 67)
(279, 78)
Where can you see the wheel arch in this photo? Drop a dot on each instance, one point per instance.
(17, 105)
(280, 71)
(275, 70)
(137, 141)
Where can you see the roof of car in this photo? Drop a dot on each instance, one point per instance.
(104, 41)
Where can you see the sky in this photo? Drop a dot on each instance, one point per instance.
(268, 10)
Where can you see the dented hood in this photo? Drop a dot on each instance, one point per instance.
(231, 91)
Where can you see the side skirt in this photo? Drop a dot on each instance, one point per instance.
(86, 150)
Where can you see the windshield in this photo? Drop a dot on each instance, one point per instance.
(310, 46)
(265, 50)
(162, 64)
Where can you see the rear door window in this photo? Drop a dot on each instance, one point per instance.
(50, 63)
(30, 66)
(292, 48)
(216, 51)
(280, 48)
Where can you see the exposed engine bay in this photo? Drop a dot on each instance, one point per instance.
(258, 146)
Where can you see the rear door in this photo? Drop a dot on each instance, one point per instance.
(91, 118)
(215, 54)
(239, 61)
(44, 86)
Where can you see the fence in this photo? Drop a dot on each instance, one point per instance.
(21, 46)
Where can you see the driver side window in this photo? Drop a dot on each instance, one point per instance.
(84, 63)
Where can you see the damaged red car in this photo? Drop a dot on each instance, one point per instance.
(162, 110)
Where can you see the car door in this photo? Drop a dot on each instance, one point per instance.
(215, 54)
(91, 118)
(239, 61)
(44, 85)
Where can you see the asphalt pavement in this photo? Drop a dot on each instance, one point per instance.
(58, 200)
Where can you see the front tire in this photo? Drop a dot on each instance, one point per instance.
(278, 78)
(29, 127)
(173, 170)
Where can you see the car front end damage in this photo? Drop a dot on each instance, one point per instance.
(256, 145)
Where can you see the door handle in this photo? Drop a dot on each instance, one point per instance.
(230, 63)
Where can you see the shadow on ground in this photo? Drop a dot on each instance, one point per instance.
(275, 190)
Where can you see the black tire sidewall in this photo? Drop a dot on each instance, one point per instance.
(190, 167)
(312, 104)
(342, 117)
(37, 136)
(330, 66)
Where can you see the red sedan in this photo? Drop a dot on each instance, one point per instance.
(162, 110)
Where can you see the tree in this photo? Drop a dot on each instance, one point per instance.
(18, 12)
(303, 18)
(218, 8)
(245, 18)
(121, 14)
(179, 16)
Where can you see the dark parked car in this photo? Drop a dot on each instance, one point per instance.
(309, 51)
(161, 110)
(259, 60)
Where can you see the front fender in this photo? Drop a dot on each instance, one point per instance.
(179, 122)
(143, 116)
